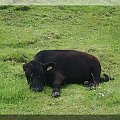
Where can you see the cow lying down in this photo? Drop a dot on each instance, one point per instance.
(58, 67)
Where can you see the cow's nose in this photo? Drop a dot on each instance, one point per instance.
(37, 89)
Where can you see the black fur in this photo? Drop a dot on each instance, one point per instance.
(58, 67)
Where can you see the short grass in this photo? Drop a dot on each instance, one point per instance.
(25, 30)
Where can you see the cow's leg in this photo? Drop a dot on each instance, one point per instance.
(95, 73)
(59, 78)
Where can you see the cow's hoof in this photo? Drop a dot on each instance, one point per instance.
(86, 84)
(55, 94)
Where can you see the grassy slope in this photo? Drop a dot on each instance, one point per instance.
(24, 31)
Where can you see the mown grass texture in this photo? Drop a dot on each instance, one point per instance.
(25, 30)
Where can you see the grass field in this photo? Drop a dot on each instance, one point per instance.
(26, 30)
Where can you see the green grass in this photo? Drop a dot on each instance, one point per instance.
(26, 30)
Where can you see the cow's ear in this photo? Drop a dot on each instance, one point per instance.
(24, 66)
(49, 66)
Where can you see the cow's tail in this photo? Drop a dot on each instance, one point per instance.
(106, 78)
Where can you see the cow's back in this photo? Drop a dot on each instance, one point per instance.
(74, 65)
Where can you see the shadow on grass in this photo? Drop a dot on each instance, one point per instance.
(3, 7)
(16, 57)
(22, 8)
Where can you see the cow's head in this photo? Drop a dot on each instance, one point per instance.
(35, 74)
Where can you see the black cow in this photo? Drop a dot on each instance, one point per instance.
(58, 67)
